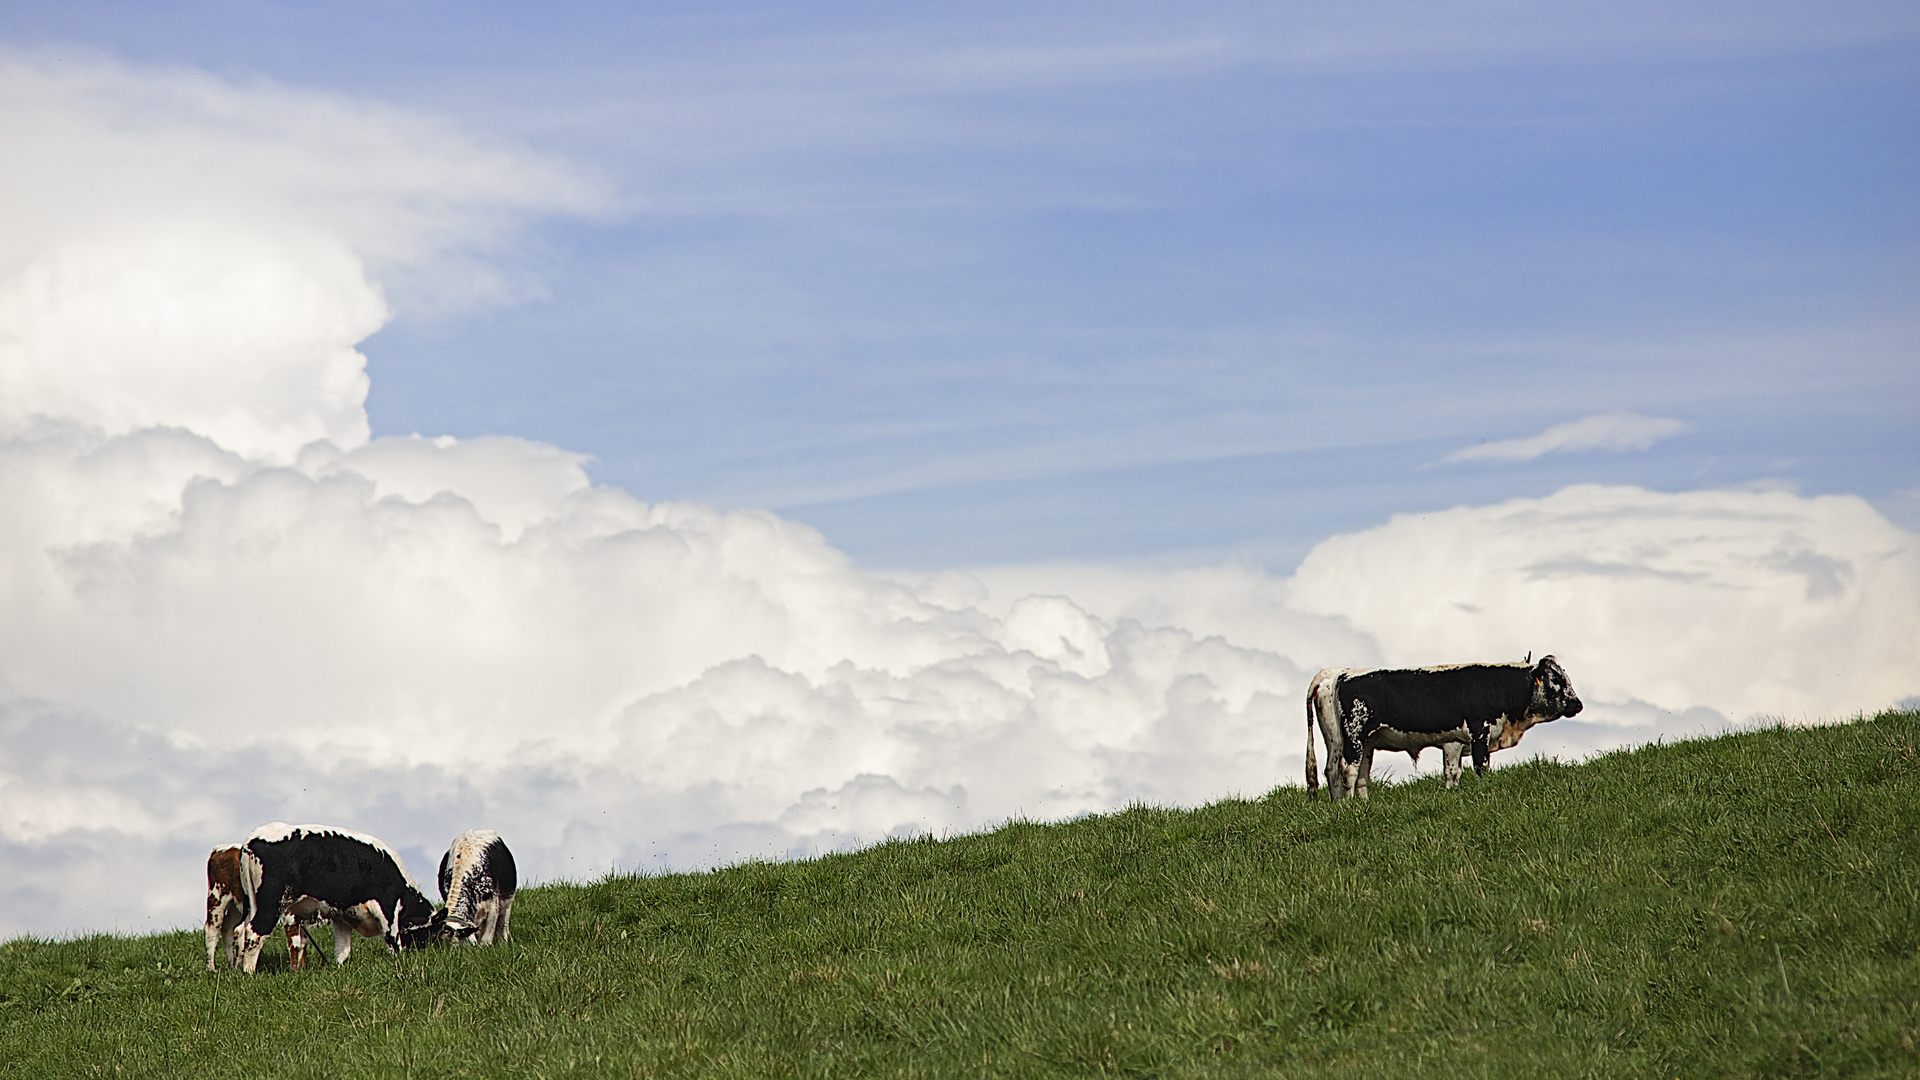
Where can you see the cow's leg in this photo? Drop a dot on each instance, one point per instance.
(506, 914)
(342, 943)
(267, 903)
(1352, 747)
(1313, 767)
(236, 935)
(1482, 752)
(489, 916)
(296, 944)
(1366, 772)
(1450, 761)
(250, 953)
(1350, 779)
(217, 928)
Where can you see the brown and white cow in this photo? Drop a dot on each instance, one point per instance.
(228, 867)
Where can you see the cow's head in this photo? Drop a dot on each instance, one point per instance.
(1553, 695)
(427, 933)
(412, 923)
(459, 932)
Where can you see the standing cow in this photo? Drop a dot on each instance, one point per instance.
(477, 880)
(1482, 707)
(316, 872)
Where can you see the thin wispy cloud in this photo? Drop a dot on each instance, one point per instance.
(98, 146)
(1615, 431)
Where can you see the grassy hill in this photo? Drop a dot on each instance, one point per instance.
(1742, 906)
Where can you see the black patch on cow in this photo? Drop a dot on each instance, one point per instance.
(415, 937)
(340, 870)
(500, 868)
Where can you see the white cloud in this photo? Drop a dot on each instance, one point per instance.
(221, 604)
(180, 250)
(241, 334)
(1603, 431)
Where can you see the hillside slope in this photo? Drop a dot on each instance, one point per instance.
(1748, 905)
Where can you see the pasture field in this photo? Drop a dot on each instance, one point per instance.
(1739, 906)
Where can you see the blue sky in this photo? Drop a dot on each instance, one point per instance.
(981, 284)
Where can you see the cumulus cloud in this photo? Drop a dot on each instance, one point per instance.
(240, 334)
(1603, 431)
(1744, 602)
(222, 602)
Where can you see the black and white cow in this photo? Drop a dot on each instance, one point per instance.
(1477, 707)
(229, 868)
(352, 880)
(477, 880)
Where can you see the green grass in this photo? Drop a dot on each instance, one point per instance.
(1742, 906)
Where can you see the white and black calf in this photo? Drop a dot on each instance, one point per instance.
(319, 873)
(477, 880)
(1476, 707)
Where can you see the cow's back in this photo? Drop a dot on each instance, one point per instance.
(335, 865)
(1437, 699)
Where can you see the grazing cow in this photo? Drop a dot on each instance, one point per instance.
(1482, 707)
(227, 913)
(352, 880)
(477, 880)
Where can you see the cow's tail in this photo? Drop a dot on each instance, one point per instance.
(249, 879)
(1313, 764)
(251, 873)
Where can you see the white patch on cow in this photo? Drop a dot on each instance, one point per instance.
(273, 832)
(1392, 738)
